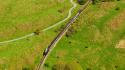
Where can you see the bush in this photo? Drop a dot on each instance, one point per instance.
(37, 32)
(117, 8)
(46, 65)
(81, 2)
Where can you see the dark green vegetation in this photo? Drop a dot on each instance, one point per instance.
(92, 41)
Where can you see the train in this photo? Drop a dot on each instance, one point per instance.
(45, 52)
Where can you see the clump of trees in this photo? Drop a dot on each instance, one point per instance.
(81, 2)
(117, 8)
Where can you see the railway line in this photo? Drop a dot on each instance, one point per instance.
(60, 35)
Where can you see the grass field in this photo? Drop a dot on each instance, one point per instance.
(21, 17)
(93, 45)
(25, 16)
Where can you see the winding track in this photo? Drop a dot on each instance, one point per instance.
(60, 35)
(32, 34)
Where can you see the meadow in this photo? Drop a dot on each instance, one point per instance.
(97, 42)
(21, 17)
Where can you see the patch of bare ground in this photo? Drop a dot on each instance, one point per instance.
(120, 44)
(117, 22)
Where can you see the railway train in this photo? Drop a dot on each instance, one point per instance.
(45, 52)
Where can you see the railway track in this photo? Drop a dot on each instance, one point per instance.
(60, 35)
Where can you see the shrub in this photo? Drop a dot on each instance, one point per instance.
(37, 32)
(81, 2)
(117, 8)
(46, 65)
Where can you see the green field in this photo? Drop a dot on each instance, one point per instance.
(94, 44)
(21, 17)
(25, 16)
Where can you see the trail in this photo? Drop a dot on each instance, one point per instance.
(56, 24)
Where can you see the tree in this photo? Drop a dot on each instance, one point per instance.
(81, 2)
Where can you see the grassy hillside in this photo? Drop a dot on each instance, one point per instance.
(97, 41)
(21, 17)
(18, 18)
(94, 44)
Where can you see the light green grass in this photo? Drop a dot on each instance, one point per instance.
(27, 52)
(30, 15)
(101, 54)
